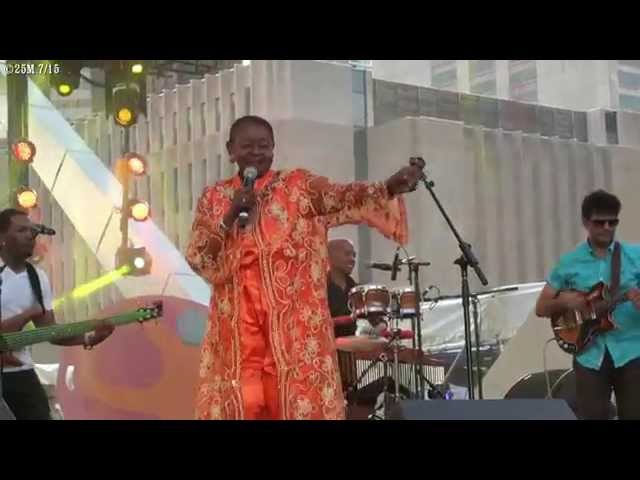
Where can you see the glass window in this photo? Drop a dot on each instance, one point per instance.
(247, 100)
(176, 197)
(190, 185)
(174, 119)
(188, 124)
(205, 178)
(232, 107)
(161, 132)
(630, 102)
(629, 80)
(203, 119)
(217, 113)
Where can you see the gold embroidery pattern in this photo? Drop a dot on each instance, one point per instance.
(295, 211)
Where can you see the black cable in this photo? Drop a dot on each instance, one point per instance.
(92, 82)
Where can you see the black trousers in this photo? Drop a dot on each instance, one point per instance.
(593, 389)
(25, 396)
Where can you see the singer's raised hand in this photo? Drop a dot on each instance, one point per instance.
(406, 179)
(244, 199)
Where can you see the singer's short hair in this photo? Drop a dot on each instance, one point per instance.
(600, 201)
(6, 216)
(252, 120)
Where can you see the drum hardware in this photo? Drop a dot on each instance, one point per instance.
(390, 354)
(406, 302)
(414, 267)
(474, 301)
(376, 302)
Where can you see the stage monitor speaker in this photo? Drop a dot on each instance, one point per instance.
(5, 412)
(517, 409)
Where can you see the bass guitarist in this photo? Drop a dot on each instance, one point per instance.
(611, 360)
(25, 296)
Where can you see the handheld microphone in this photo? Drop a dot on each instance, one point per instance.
(42, 229)
(395, 266)
(248, 181)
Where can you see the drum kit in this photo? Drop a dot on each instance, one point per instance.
(372, 305)
(373, 302)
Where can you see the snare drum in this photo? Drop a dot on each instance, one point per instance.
(369, 301)
(405, 298)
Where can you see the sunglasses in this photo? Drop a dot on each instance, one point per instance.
(613, 222)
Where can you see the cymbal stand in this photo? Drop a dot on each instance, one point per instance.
(414, 268)
(390, 354)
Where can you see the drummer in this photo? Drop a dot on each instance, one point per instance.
(342, 260)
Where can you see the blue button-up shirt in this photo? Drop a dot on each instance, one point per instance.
(581, 269)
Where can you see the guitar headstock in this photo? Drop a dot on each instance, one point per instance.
(150, 312)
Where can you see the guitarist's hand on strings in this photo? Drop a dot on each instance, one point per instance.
(574, 300)
(99, 335)
(634, 296)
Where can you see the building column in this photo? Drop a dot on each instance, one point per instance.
(464, 83)
(502, 79)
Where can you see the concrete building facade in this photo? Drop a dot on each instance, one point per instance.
(569, 84)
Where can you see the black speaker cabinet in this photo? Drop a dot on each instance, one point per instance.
(5, 412)
(517, 409)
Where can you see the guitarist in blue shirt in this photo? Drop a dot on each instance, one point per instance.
(611, 359)
(25, 296)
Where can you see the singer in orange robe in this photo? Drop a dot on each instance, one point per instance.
(269, 349)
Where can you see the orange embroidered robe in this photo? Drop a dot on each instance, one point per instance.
(294, 210)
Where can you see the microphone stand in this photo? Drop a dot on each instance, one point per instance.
(476, 330)
(466, 260)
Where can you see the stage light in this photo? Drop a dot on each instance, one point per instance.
(64, 89)
(136, 164)
(26, 197)
(23, 150)
(68, 78)
(139, 262)
(139, 210)
(126, 91)
(124, 116)
(126, 101)
(134, 261)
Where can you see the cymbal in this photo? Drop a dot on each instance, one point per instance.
(360, 343)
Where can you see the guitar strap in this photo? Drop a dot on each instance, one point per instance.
(34, 280)
(615, 271)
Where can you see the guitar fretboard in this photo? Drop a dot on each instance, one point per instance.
(18, 340)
